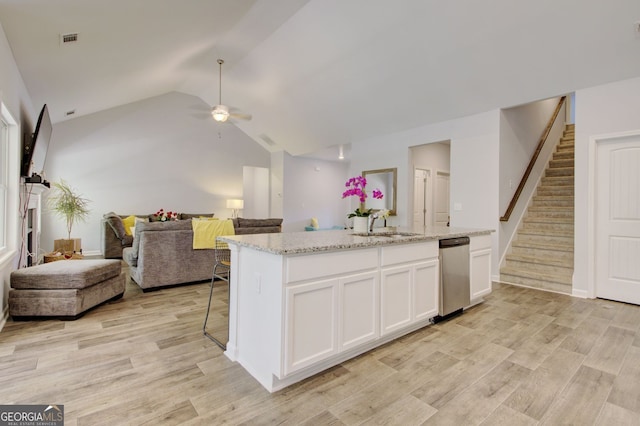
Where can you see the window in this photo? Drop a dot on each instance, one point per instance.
(4, 178)
(9, 183)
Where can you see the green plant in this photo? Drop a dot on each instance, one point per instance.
(69, 205)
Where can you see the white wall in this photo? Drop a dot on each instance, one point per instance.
(313, 188)
(601, 110)
(435, 156)
(162, 152)
(276, 179)
(16, 99)
(520, 131)
(474, 169)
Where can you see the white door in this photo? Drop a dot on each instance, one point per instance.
(422, 198)
(255, 192)
(618, 219)
(442, 199)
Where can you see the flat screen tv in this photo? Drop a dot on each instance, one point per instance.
(35, 150)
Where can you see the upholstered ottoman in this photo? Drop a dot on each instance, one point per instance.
(66, 288)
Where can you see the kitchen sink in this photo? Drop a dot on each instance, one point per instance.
(386, 234)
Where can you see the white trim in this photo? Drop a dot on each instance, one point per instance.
(4, 317)
(592, 205)
(582, 294)
(6, 258)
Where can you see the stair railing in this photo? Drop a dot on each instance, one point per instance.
(532, 162)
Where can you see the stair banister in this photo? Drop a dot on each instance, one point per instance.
(527, 172)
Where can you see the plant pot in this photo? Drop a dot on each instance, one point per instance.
(73, 245)
(360, 224)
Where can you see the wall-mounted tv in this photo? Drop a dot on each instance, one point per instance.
(35, 150)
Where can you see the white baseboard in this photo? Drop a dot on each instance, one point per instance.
(579, 293)
(5, 317)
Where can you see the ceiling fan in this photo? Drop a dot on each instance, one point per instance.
(222, 112)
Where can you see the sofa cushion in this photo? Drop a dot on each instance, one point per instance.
(185, 216)
(129, 222)
(65, 274)
(115, 222)
(258, 223)
(129, 256)
(127, 240)
(170, 225)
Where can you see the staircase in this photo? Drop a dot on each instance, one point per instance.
(542, 252)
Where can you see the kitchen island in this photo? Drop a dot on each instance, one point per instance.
(302, 302)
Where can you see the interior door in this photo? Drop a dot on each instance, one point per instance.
(421, 198)
(442, 199)
(618, 219)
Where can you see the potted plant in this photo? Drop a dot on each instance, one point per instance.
(72, 207)
(356, 187)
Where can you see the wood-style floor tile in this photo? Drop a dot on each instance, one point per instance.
(582, 400)
(523, 357)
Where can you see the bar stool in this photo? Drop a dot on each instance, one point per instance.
(221, 271)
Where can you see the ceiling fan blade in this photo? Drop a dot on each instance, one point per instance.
(240, 116)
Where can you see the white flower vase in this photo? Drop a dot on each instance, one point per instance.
(360, 224)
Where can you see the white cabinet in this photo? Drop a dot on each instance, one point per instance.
(326, 317)
(311, 324)
(359, 313)
(408, 290)
(480, 266)
(294, 315)
(323, 318)
(396, 296)
(426, 288)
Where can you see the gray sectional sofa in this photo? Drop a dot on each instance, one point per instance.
(162, 254)
(114, 238)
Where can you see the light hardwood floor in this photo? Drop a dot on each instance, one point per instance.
(523, 357)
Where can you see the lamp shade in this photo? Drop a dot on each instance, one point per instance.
(235, 204)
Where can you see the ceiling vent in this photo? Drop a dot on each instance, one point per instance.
(68, 113)
(68, 38)
(267, 140)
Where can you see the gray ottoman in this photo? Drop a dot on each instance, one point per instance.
(65, 288)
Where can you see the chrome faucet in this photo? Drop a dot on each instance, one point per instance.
(370, 219)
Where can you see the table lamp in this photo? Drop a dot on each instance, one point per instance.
(235, 205)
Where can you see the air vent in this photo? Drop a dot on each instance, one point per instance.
(267, 140)
(69, 113)
(69, 38)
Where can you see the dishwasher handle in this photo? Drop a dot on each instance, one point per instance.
(454, 242)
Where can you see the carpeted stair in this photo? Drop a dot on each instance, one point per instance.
(542, 252)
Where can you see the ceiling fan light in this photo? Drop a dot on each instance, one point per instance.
(220, 113)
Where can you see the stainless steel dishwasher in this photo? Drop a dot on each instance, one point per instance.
(454, 277)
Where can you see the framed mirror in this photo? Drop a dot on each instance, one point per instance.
(386, 181)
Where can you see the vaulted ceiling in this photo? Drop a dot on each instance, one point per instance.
(320, 73)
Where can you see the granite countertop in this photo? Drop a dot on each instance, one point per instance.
(320, 241)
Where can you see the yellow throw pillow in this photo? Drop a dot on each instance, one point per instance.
(207, 218)
(314, 223)
(128, 222)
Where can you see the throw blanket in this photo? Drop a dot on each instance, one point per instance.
(206, 231)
